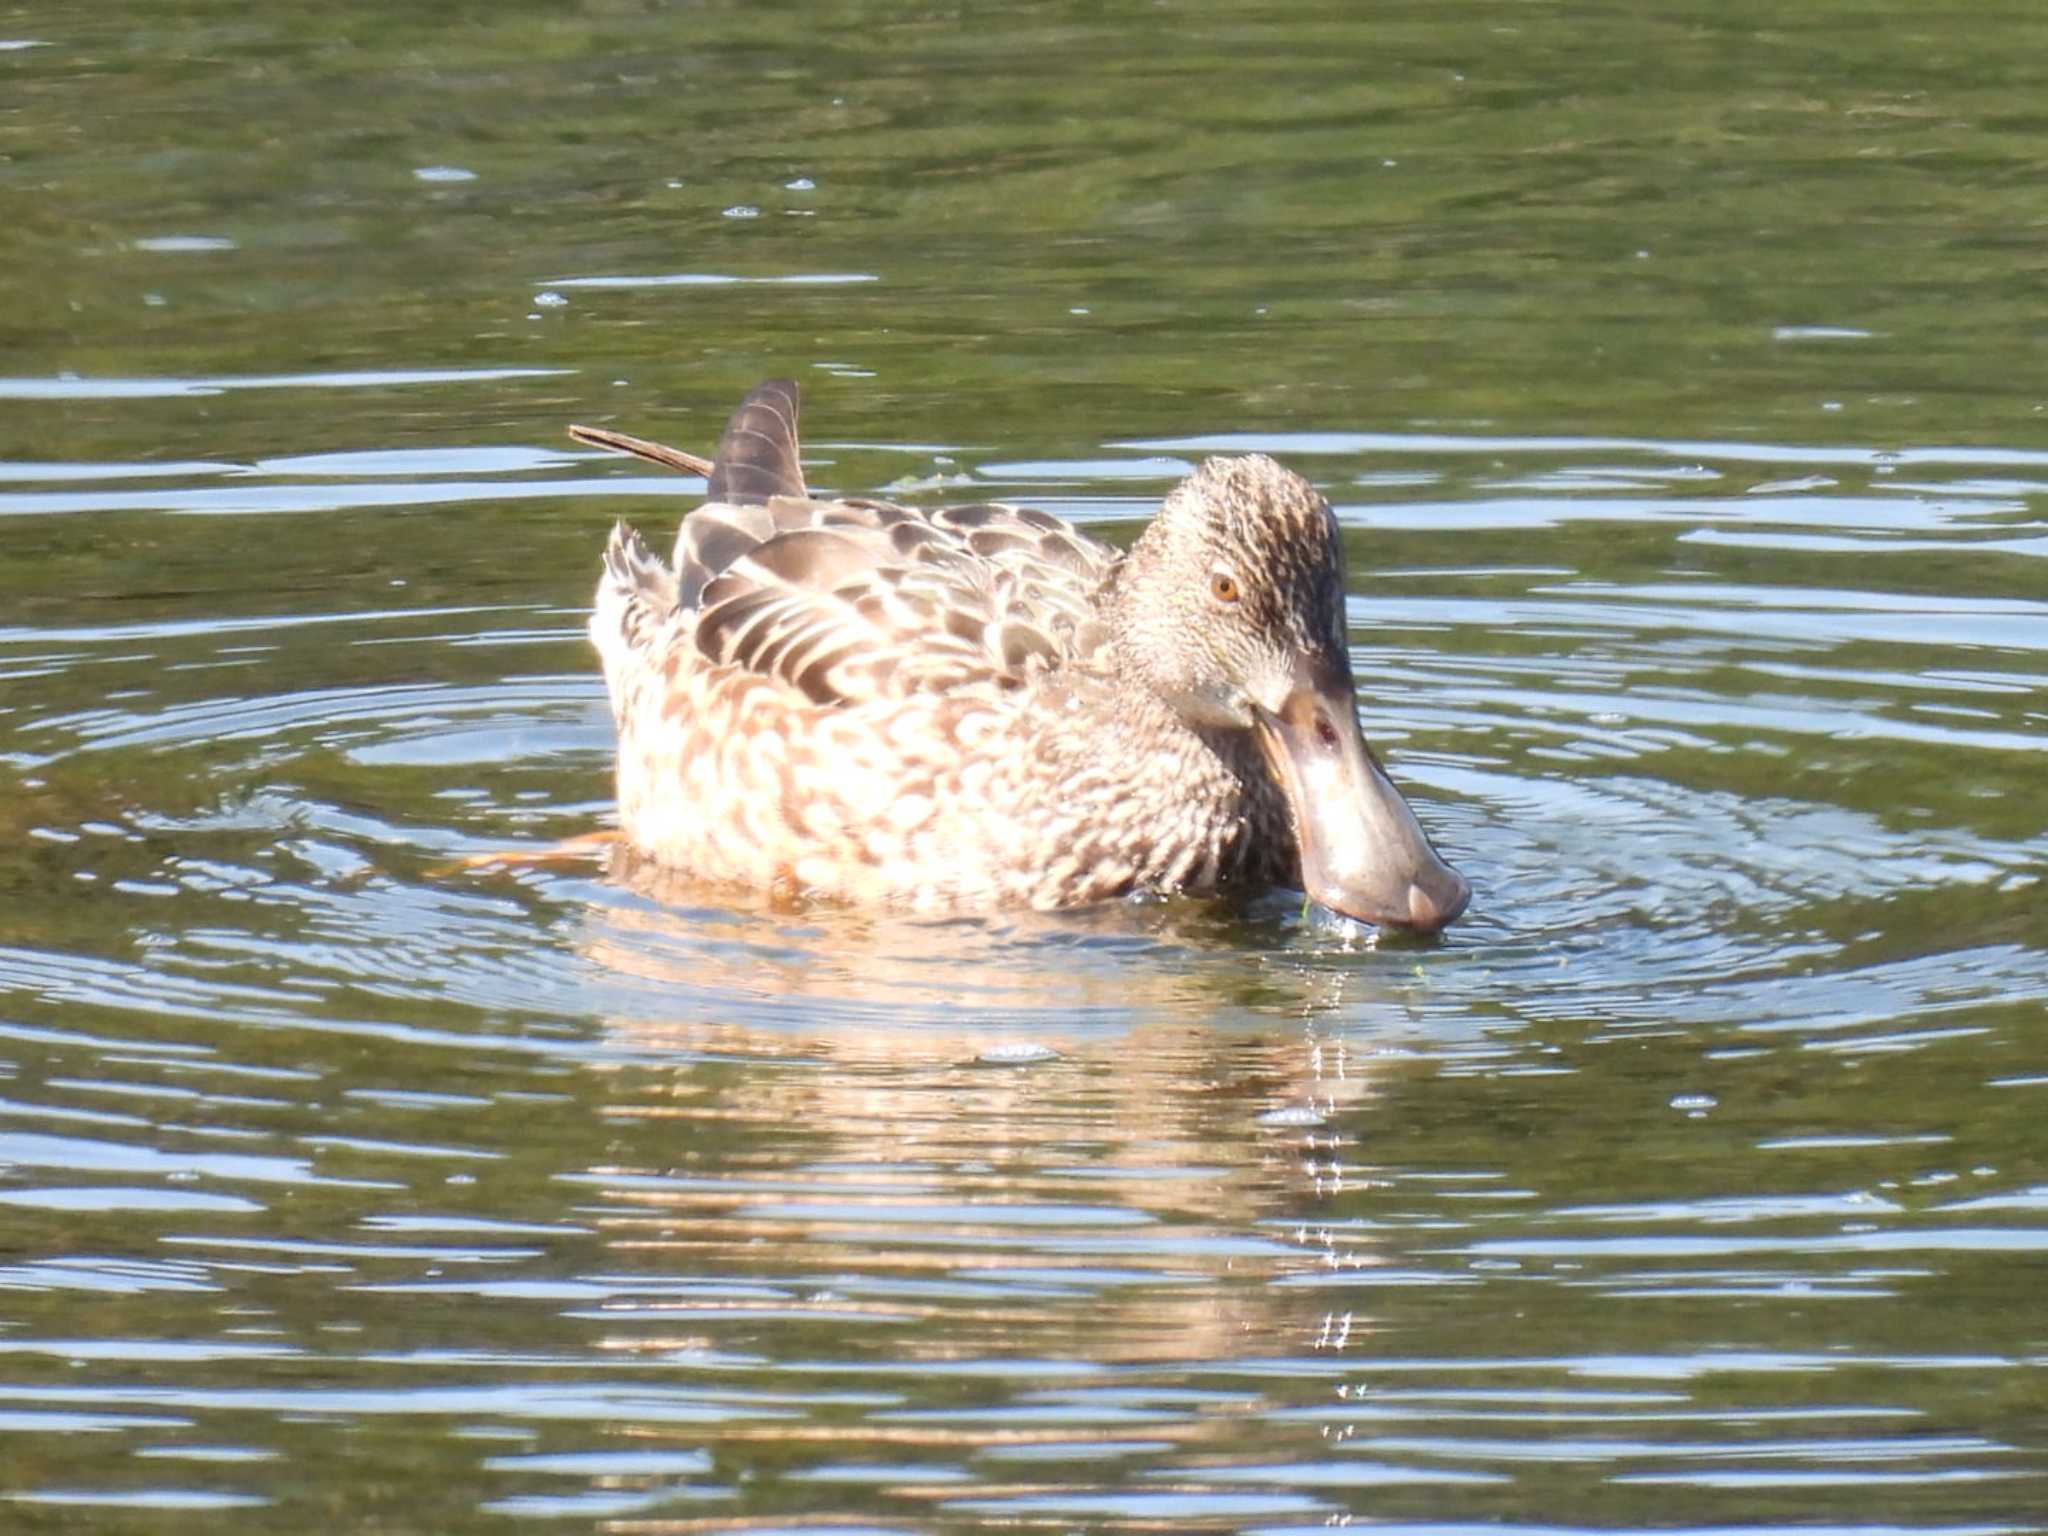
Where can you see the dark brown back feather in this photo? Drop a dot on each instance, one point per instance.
(757, 457)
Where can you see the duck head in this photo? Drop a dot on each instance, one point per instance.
(1230, 607)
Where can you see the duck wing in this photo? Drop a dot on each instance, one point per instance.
(844, 601)
(848, 600)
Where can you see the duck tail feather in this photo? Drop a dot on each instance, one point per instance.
(636, 597)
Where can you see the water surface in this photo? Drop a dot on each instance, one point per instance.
(1673, 379)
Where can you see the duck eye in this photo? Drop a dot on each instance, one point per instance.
(1223, 587)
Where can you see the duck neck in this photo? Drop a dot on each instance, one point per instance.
(1138, 630)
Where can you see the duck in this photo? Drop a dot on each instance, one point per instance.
(967, 708)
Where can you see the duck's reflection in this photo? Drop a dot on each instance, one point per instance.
(1112, 965)
(1093, 1136)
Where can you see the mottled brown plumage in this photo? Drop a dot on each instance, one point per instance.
(979, 706)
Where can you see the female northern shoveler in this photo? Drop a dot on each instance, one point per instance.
(978, 706)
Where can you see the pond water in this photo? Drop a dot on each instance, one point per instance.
(1679, 382)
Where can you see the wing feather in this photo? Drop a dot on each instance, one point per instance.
(757, 456)
(853, 599)
(846, 601)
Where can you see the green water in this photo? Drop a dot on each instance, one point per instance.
(1678, 378)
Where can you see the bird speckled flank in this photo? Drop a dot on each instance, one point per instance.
(978, 706)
